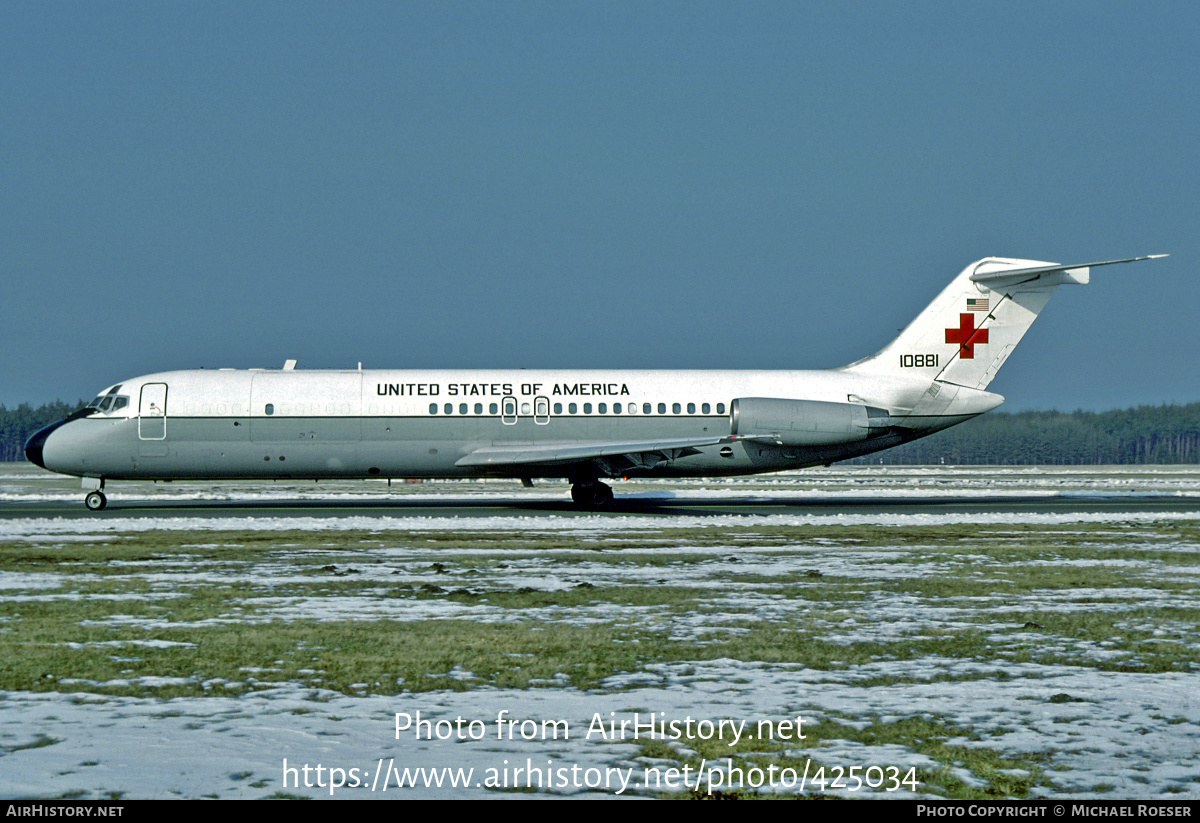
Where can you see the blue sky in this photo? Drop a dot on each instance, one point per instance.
(627, 185)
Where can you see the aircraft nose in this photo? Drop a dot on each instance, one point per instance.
(36, 443)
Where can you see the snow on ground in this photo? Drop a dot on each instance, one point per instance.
(70, 529)
(1119, 736)
(1105, 734)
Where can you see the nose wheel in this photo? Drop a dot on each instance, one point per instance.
(95, 501)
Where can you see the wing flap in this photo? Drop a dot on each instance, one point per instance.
(558, 453)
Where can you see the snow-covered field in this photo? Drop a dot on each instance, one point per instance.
(1134, 734)
(1095, 720)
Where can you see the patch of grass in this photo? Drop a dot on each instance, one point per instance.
(41, 742)
(1011, 777)
(633, 596)
(389, 656)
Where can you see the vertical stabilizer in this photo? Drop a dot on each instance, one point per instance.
(971, 328)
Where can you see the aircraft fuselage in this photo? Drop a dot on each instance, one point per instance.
(225, 424)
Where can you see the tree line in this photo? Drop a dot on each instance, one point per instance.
(1146, 434)
(16, 425)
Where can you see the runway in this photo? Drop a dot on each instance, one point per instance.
(501, 506)
(28, 492)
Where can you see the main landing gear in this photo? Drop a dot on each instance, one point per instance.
(592, 495)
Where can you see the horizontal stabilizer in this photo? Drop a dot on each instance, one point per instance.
(1076, 272)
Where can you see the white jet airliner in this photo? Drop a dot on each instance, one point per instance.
(580, 425)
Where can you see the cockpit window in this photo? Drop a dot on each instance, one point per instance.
(109, 402)
(98, 403)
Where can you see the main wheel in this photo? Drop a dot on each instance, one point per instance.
(602, 496)
(592, 495)
(95, 501)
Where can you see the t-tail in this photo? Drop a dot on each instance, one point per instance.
(967, 333)
(971, 328)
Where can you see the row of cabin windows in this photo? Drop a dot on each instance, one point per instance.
(573, 408)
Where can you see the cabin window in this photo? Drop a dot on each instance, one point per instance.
(662, 408)
(616, 408)
(633, 408)
(704, 408)
(433, 408)
(573, 408)
(493, 409)
(270, 408)
(479, 408)
(525, 408)
(691, 408)
(646, 408)
(558, 408)
(587, 408)
(449, 408)
(602, 408)
(675, 409)
(462, 408)
(720, 408)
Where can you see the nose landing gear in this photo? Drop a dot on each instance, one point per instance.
(95, 500)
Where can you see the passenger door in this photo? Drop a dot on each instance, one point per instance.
(152, 412)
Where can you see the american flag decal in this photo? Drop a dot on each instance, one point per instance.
(977, 304)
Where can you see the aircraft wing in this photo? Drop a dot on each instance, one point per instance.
(636, 451)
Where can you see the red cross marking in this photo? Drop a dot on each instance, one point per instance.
(966, 336)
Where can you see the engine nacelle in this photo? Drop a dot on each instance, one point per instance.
(806, 422)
